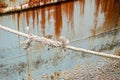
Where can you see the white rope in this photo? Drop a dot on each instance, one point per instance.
(62, 43)
(93, 52)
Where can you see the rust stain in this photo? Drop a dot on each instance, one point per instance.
(37, 13)
(82, 6)
(111, 14)
(18, 19)
(14, 16)
(43, 21)
(33, 17)
(27, 17)
(38, 20)
(71, 14)
(36, 1)
(3, 5)
(58, 20)
(13, 1)
(49, 14)
(65, 8)
(68, 9)
(1, 10)
(111, 10)
(97, 3)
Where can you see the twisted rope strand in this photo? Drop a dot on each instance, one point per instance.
(58, 43)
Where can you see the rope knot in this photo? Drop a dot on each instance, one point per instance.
(27, 42)
(64, 41)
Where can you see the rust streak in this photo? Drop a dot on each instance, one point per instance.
(43, 20)
(33, 17)
(97, 3)
(68, 9)
(14, 16)
(18, 19)
(27, 17)
(82, 6)
(111, 9)
(37, 13)
(71, 15)
(65, 8)
(3, 5)
(48, 13)
(58, 20)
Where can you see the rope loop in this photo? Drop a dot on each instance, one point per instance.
(26, 44)
(64, 42)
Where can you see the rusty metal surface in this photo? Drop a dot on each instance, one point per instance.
(89, 24)
(6, 8)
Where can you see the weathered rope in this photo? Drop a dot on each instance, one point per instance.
(62, 43)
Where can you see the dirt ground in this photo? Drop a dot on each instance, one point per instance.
(109, 71)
